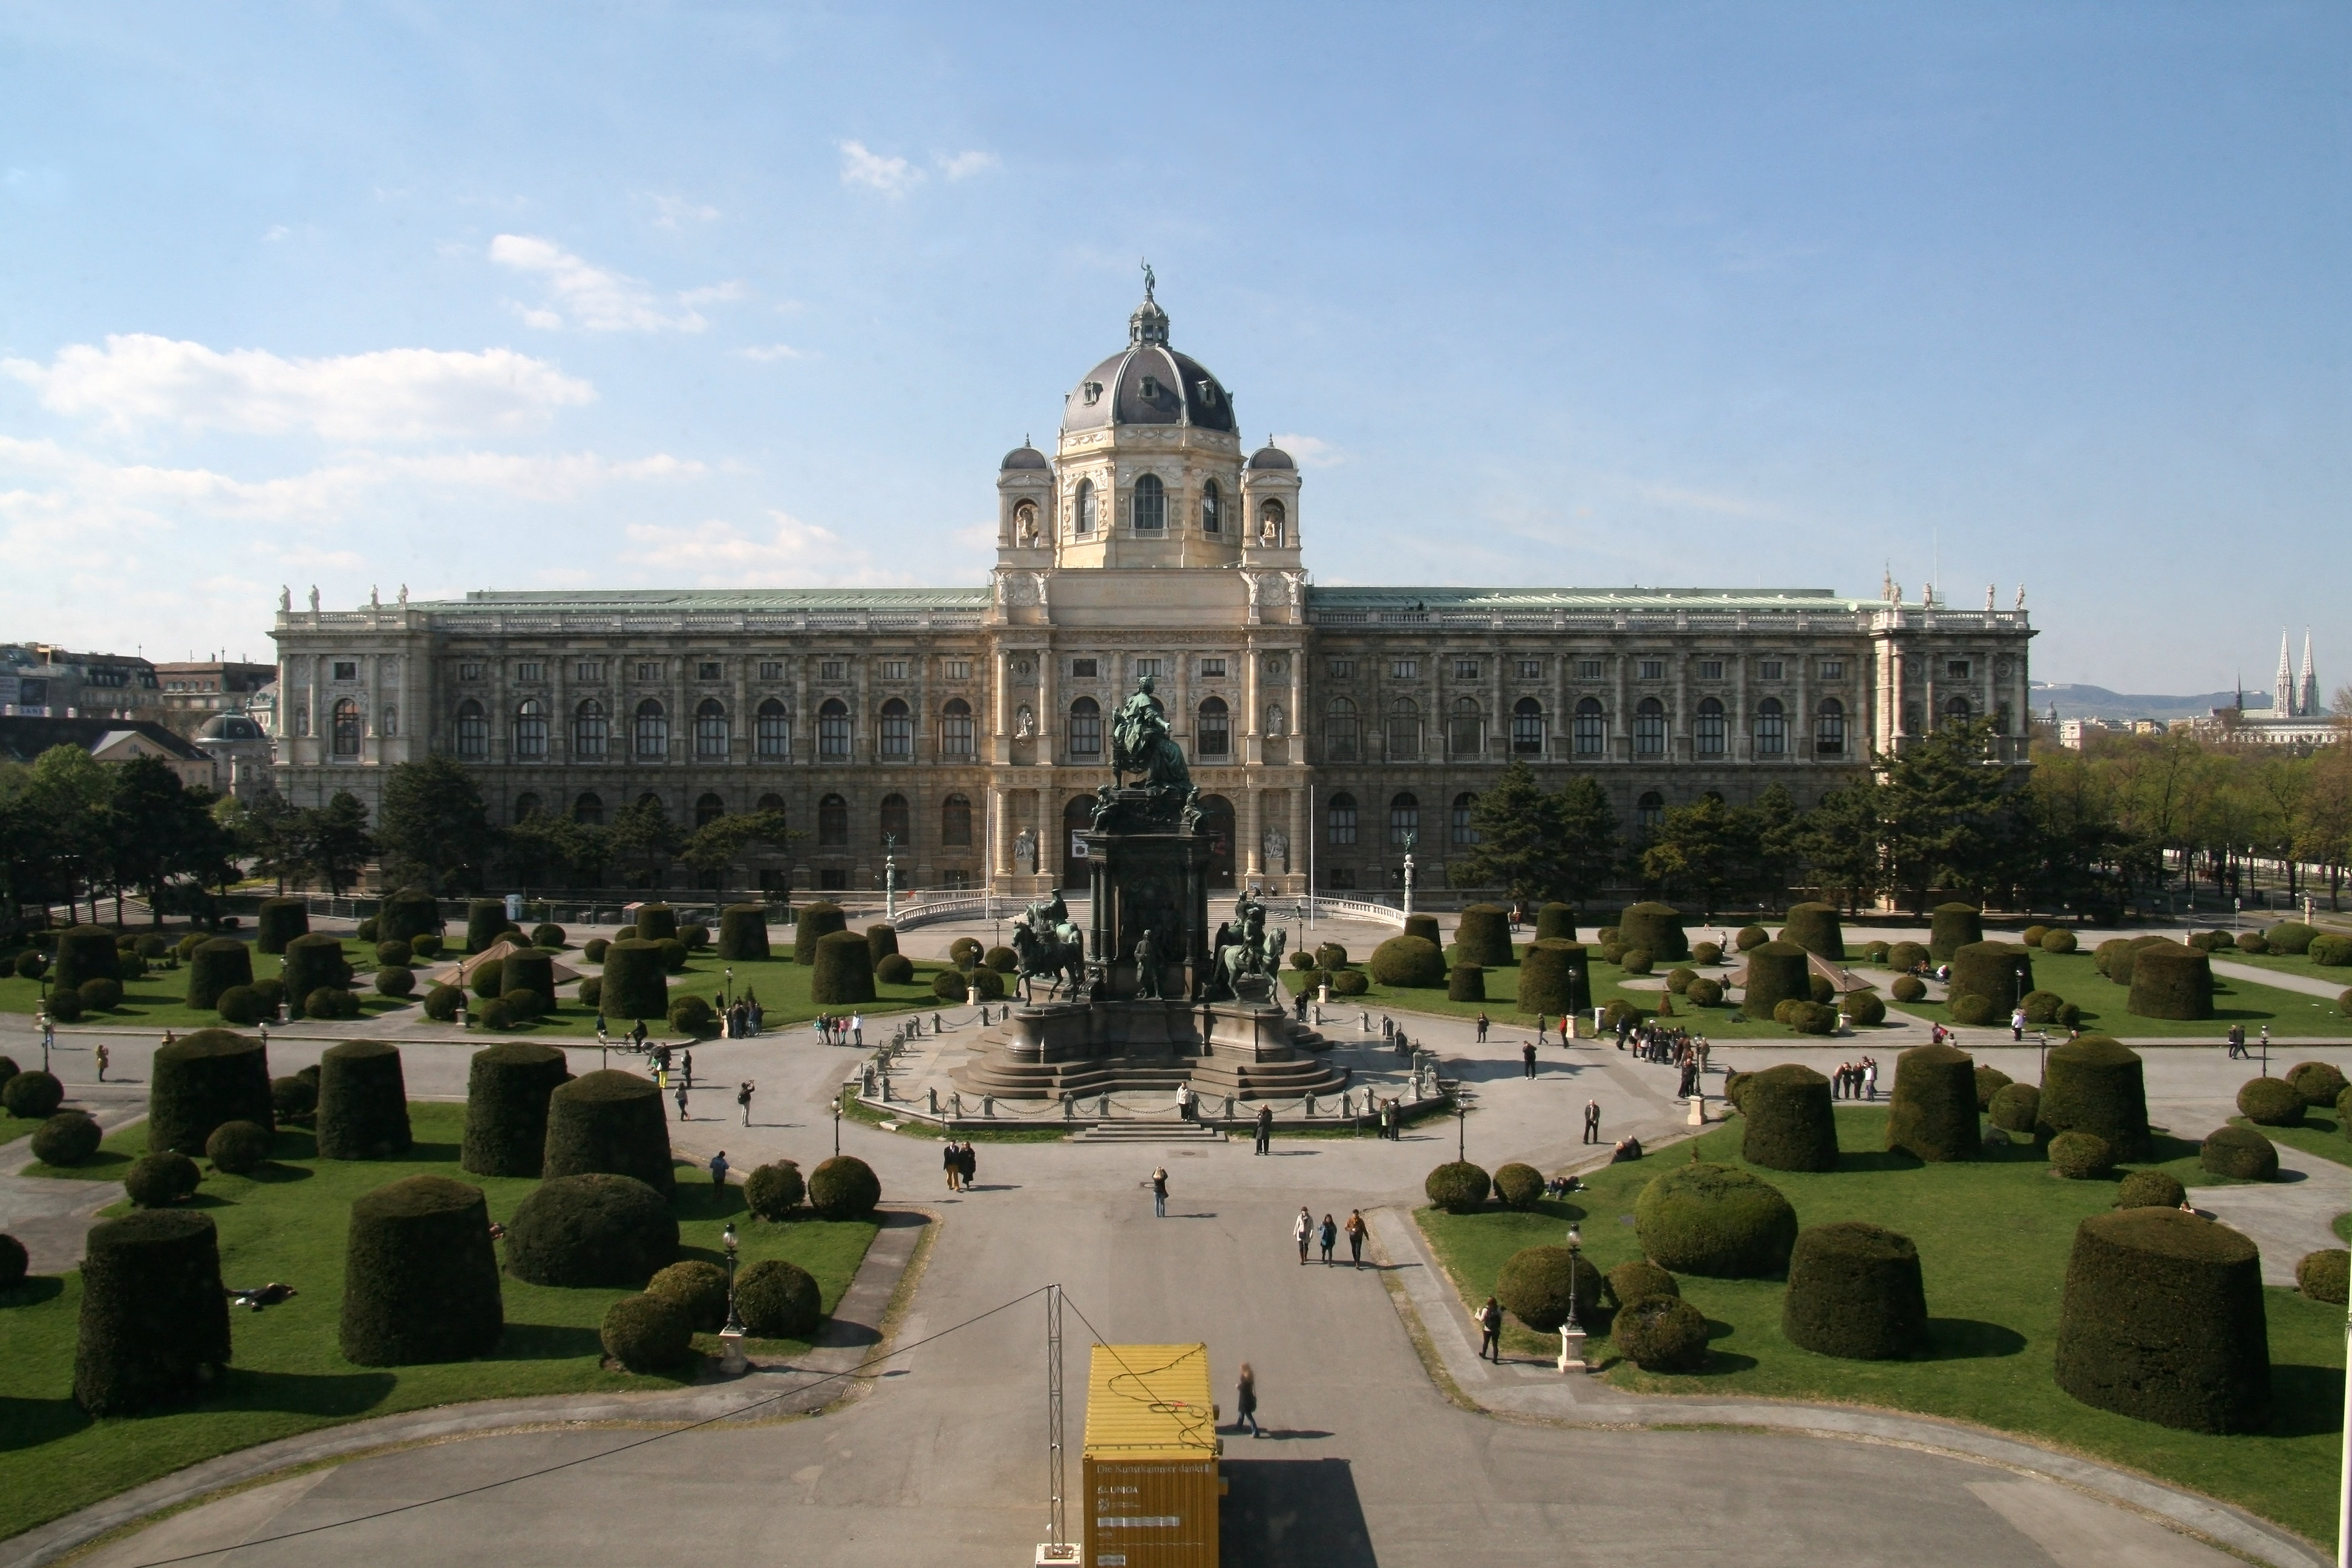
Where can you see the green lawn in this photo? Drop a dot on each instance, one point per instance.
(2075, 977)
(2318, 1135)
(158, 999)
(781, 985)
(2288, 964)
(288, 1224)
(1993, 1241)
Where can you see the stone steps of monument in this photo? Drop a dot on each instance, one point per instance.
(1150, 1133)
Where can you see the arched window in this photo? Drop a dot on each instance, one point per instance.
(589, 811)
(1404, 819)
(955, 823)
(1526, 728)
(1465, 732)
(1650, 728)
(530, 730)
(955, 729)
(525, 804)
(895, 821)
(1270, 521)
(1591, 728)
(1829, 729)
(770, 802)
(898, 729)
(590, 730)
(1650, 812)
(833, 729)
(1212, 509)
(773, 731)
(473, 731)
(707, 810)
(346, 718)
(1958, 711)
(1464, 830)
(1708, 731)
(1339, 731)
(832, 823)
(1404, 730)
(1771, 728)
(391, 721)
(1151, 505)
(710, 729)
(653, 732)
(1213, 738)
(650, 800)
(1086, 728)
(1084, 524)
(1999, 719)
(1339, 818)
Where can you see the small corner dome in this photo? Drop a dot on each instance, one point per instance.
(229, 727)
(1271, 456)
(1022, 457)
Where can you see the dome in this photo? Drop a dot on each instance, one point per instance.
(1271, 456)
(1148, 382)
(1022, 457)
(230, 727)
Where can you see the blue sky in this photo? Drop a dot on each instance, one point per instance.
(1730, 295)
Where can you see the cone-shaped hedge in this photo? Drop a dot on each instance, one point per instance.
(1535, 1284)
(656, 922)
(201, 1080)
(1466, 982)
(1716, 1220)
(2169, 981)
(1934, 1113)
(1412, 962)
(485, 922)
(1815, 928)
(85, 953)
(362, 1103)
(507, 1091)
(420, 1279)
(1656, 929)
(1791, 1124)
(2162, 1321)
(1556, 922)
(531, 971)
(1484, 936)
(278, 921)
(609, 1121)
(1424, 927)
(591, 1229)
(154, 1318)
(1555, 977)
(845, 970)
(1855, 1292)
(2096, 1085)
(1778, 972)
(1999, 971)
(1953, 927)
(408, 914)
(744, 933)
(214, 967)
(313, 963)
(817, 921)
(635, 986)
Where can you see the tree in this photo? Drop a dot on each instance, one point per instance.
(160, 829)
(432, 829)
(1769, 831)
(714, 847)
(335, 842)
(1944, 812)
(71, 791)
(267, 831)
(1518, 848)
(1586, 828)
(641, 831)
(1696, 849)
(1839, 841)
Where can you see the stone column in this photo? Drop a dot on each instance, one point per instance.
(1246, 819)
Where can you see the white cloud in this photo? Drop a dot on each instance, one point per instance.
(716, 554)
(277, 231)
(891, 177)
(771, 351)
(963, 166)
(1312, 452)
(589, 296)
(390, 395)
(674, 212)
(715, 293)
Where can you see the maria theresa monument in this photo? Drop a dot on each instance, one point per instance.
(1150, 585)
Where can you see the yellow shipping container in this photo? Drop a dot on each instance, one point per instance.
(1149, 1466)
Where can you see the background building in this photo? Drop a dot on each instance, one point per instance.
(191, 692)
(42, 680)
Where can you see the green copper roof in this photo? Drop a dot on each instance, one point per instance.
(1585, 599)
(641, 600)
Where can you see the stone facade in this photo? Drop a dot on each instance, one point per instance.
(1323, 725)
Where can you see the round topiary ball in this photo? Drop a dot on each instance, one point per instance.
(594, 949)
(987, 984)
(844, 1187)
(1483, 936)
(65, 1006)
(158, 1181)
(2080, 1156)
(1791, 1123)
(14, 1262)
(2096, 1085)
(1330, 956)
(1536, 1283)
(154, 1317)
(1705, 992)
(496, 1014)
(610, 1122)
(441, 1003)
(1657, 928)
(394, 952)
(33, 1096)
(1555, 977)
(2170, 980)
(693, 1015)
(1934, 1113)
(778, 1300)
(2238, 1152)
(201, 1080)
(2016, 1107)
(507, 1088)
(293, 1099)
(595, 1229)
(1629, 1282)
(1636, 960)
(1989, 1081)
(675, 954)
(1716, 1220)
(420, 1279)
(238, 1148)
(2319, 1083)
(699, 1286)
(395, 982)
(1972, 1011)
(1350, 982)
(774, 1191)
(362, 1103)
(2042, 1006)
(1458, 1186)
(1466, 982)
(2162, 1321)
(2150, 1190)
(2324, 1276)
(1519, 1187)
(2058, 942)
(1855, 1292)
(898, 969)
(1407, 960)
(949, 985)
(2271, 1102)
(1661, 1334)
(845, 971)
(648, 1333)
(67, 1138)
(1816, 929)
(1908, 988)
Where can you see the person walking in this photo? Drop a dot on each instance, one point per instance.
(857, 1030)
(681, 1102)
(1482, 1028)
(1264, 1130)
(1327, 1235)
(1301, 1229)
(1869, 1077)
(1246, 1402)
(104, 1056)
(1527, 1059)
(743, 1097)
(719, 1169)
(1593, 1122)
(1490, 1332)
(1356, 1227)
(967, 1162)
(1159, 1191)
(2237, 1041)
(951, 1164)
(2016, 1024)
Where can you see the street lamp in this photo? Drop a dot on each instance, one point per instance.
(1571, 1333)
(1411, 838)
(1462, 1126)
(836, 1126)
(732, 1335)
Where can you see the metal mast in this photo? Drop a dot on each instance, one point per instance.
(1057, 1529)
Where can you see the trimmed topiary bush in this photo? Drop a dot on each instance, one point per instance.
(1536, 1285)
(362, 1103)
(1629, 1282)
(1908, 988)
(293, 1099)
(1555, 977)
(744, 933)
(1777, 972)
(395, 981)
(278, 921)
(33, 1096)
(1661, 1334)
(2124, 962)
(675, 954)
(486, 925)
(2043, 1006)
(693, 1015)
(2321, 1084)
(1466, 982)
(1424, 927)
(2096, 1085)
(201, 1080)
(330, 1002)
(2290, 936)
(441, 1003)
(2270, 1102)
(774, 1191)
(2169, 981)
(1863, 1008)
(1330, 956)
(2324, 1276)
(1350, 982)
(1410, 962)
(882, 940)
(1705, 953)
(1750, 938)
(1519, 1187)
(420, 1279)
(817, 921)
(1705, 992)
(2057, 942)
(1483, 936)
(844, 1187)
(1951, 928)
(549, 935)
(1657, 928)
(609, 1122)
(656, 922)
(594, 949)
(2162, 1321)
(154, 1317)
(2080, 1156)
(1002, 960)
(1458, 1186)
(67, 1138)
(635, 986)
(161, 1179)
(778, 1300)
(1716, 1220)
(2002, 973)
(65, 1006)
(2150, 1190)
(1555, 922)
(216, 966)
(406, 915)
(85, 953)
(1989, 1081)
(313, 963)
(1855, 1292)
(508, 1087)
(596, 1228)
(533, 972)
(2331, 951)
(845, 971)
(1636, 960)
(1972, 1011)
(699, 1288)
(1679, 980)
(951, 985)
(2238, 1152)
(1791, 1125)
(647, 1332)
(238, 1148)
(1934, 1113)
(1816, 929)
(100, 995)
(896, 970)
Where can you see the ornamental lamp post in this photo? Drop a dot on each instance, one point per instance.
(1411, 838)
(1571, 1333)
(731, 1337)
(836, 1126)
(890, 877)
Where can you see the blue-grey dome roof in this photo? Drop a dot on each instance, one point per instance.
(1148, 382)
(1271, 456)
(1023, 457)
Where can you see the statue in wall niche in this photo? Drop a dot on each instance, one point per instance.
(1024, 849)
(1024, 525)
(1276, 846)
(1275, 719)
(1024, 723)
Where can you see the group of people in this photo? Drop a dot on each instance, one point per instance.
(2236, 1037)
(742, 1021)
(833, 1030)
(1306, 1232)
(961, 1163)
(1855, 1080)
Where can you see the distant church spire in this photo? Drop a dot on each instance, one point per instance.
(2307, 704)
(2283, 690)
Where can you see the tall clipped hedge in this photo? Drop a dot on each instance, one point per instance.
(362, 1103)
(1536, 1285)
(1791, 1123)
(485, 923)
(817, 921)
(1556, 922)
(1424, 927)
(1656, 929)
(656, 922)
(214, 966)
(845, 970)
(313, 963)
(406, 915)
(1778, 972)
(635, 986)
(2169, 981)
(1714, 1220)
(507, 1090)
(882, 940)
(1816, 929)
(532, 970)
(1483, 937)
(611, 1122)
(1412, 962)
(154, 1317)
(278, 921)
(420, 1279)
(85, 953)
(744, 933)
(1466, 982)
(1855, 1291)
(2096, 1085)
(1999, 971)
(2162, 1321)
(594, 1228)
(1953, 927)
(199, 1081)
(1555, 977)
(1934, 1113)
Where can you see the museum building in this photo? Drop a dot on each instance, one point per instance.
(1329, 727)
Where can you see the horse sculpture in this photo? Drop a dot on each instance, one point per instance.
(1244, 947)
(1050, 948)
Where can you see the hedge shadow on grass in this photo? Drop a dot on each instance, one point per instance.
(272, 1172)
(548, 1342)
(343, 1394)
(2305, 1401)
(1878, 1160)
(31, 1291)
(1970, 1339)
(29, 1423)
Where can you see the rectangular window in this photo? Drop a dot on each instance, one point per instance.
(470, 672)
(1768, 669)
(1711, 670)
(956, 669)
(1149, 667)
(894, 670)
(1085, 669)
(1588, 669)
(1530, 670)
(649, 669)
(1957, 669)
(1654, 669)
(1404, 670)
(832, 669)
(589, 670)
(1832, 670)
(1212, 670)
(772, 670)
(1340, 878)
(706, 669)
(530, 670)
(1465, 669)
(1343, 669)
(347, 670)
